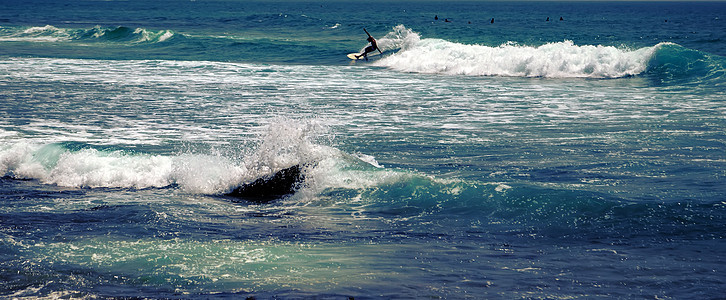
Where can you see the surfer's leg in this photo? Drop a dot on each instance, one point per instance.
(365, 53)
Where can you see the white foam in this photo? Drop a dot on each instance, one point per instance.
(206, 174)
(165, 35)
(288, 142)
(16, 161)
(46, 28)
(399, 38)
(557, 60)
(91, 168)
(151, 36)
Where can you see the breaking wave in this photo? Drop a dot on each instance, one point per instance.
(562, 59)
(81, 165)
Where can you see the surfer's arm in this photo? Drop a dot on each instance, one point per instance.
(369, 35)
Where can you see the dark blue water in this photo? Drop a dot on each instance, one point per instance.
(520, 158)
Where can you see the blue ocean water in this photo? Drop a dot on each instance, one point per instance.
(495, 150)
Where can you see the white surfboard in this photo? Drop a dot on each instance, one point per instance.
(352, 55)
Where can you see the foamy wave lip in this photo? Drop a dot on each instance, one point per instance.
(87, 168)
(91, 168)
(45, 33)
(555, 60)
(15, 161)
(152, 36)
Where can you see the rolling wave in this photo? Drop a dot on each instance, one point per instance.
(552, 60)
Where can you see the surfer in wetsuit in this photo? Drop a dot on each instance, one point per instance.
(371, 48)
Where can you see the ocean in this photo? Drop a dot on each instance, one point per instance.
(495, 150)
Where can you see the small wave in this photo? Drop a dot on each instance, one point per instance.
(125, 34)
(121, 34)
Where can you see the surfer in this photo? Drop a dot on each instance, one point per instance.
(371, 48)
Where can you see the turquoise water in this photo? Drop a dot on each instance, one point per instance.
(525, 158)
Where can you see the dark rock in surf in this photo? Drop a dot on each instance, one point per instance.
(271, 187)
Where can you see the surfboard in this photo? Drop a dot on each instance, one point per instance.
(352, 55)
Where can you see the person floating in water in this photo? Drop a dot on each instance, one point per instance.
(371, 48)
